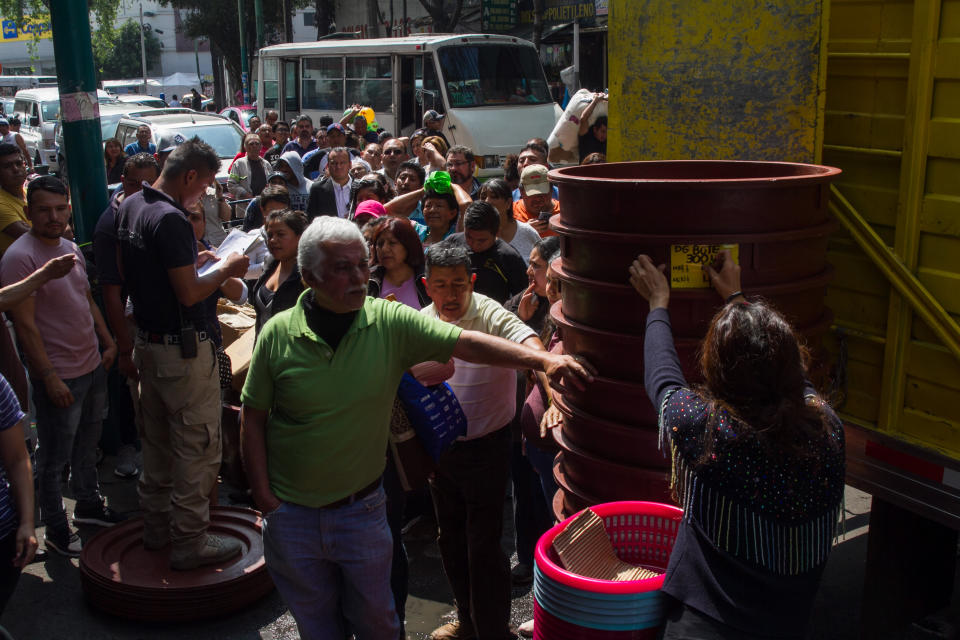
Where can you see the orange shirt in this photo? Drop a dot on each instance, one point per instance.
(520, 214)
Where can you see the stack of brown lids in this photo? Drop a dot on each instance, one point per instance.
(585, 549)
(121, 577)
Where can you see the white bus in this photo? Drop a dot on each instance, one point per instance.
(492, 88)
(9, 85)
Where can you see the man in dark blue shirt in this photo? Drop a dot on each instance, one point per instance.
(179, 379)
(143, 144)
(304, 141)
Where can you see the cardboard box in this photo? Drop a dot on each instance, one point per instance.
(240, 353)
(234, 325)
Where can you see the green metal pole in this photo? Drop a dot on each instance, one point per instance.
(258, 14)
(244, 63)
(196, 58)
(80, 114)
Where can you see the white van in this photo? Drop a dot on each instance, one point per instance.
(39, 112)
(491, 88)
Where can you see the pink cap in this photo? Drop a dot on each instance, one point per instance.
(370, 208)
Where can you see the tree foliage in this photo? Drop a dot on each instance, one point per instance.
(445, 14)
(123, 60)
(217, 20)
(103, 15)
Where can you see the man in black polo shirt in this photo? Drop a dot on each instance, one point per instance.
(500, 270)
(179, 380)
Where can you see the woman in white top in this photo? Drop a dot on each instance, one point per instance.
(519, 235)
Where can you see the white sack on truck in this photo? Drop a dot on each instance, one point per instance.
(564, 140)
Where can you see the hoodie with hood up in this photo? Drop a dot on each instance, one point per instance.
(301, 189)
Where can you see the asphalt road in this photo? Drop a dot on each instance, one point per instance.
(49, 603)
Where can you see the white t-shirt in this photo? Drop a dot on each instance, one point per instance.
(487, 395)
(524, 239)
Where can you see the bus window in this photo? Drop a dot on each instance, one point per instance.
(271, 83)
(369, 82)
(492, 75)
(291, 101)
(323, 83)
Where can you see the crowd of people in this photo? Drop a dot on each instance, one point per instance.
(384, 250)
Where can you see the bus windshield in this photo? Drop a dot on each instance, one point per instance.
(493, 74)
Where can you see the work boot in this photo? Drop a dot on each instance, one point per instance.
(127, 465)
(454, 631)
(212, 550)
(154, 539)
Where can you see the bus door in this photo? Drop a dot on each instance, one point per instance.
(409, 89)
(290, 104)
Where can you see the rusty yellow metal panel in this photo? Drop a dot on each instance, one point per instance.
(892, 108)
(715, 79)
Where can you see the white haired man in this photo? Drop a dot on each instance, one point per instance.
(315, 418)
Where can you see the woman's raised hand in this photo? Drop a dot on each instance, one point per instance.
(724, 275)
(650, 282)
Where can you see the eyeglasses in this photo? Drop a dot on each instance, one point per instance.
(452, 164)
(393, 152)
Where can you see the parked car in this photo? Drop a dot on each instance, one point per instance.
(137, 98)
(39, 112)
(241, 115)
(110, 114)
(221, 133)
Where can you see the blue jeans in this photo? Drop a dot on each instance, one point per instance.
(532, 515)
(400, 568)
(332, 568)
(69, 435)
(542, 463)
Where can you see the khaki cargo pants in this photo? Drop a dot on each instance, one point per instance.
(180, 434)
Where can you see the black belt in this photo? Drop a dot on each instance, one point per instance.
(167, 338)
(353, 497)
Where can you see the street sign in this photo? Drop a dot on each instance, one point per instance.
(498, 15)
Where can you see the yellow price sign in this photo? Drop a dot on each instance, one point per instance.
(687, 260)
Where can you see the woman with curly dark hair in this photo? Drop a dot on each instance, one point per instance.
(758, 466)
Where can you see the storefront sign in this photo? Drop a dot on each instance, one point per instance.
(602, 7)
(11, 32)
(499, 15)
(559, 11)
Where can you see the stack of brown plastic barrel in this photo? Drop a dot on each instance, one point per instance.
(773, 215)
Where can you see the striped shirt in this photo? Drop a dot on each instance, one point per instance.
(10, 414)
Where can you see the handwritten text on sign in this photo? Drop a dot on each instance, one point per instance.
(687, 260)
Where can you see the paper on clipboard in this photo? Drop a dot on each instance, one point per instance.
(236, 241)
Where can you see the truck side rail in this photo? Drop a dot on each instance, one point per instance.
(900, 277)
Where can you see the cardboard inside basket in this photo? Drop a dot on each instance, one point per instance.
(584, 548)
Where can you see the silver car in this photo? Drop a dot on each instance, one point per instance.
(222, 134)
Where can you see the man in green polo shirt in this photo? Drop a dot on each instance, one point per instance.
(316, 413)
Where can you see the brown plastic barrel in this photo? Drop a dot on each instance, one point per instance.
(774, 212)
